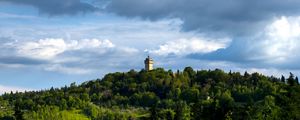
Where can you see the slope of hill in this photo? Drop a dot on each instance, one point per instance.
(160, 94)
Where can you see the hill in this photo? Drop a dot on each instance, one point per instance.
(161, 94)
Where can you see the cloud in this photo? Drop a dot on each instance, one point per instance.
(279, 40)
(210, 16)
(189, 46)
(67, 70)
(20, 60)
(57, 7)
(206, 16)
(49, 48)
(15, 16)
(64, 56)
(8, 89)
(42, 49)
(92, 43)
(274, 46)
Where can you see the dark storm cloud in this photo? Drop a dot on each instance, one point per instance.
(233, 53)
(57, 7)
(237, 53)
(236, 19)
(232, 17)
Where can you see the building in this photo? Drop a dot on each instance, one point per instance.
(148, 64)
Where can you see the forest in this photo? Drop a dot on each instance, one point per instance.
(162, 95)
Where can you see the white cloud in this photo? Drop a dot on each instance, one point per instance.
(42, 49)
(65, 56)
(128, 50)
(278, 42)
(50, 47)
(67, 70)
(188, 46)
(8, 89)
(90, 43)
(16, 16)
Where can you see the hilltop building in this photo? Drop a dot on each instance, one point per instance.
(148, 63)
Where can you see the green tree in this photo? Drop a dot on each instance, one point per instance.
(182, 111)
(268, 109)
(154, 112)
(291, 81)
(282, 79)
(18, 111)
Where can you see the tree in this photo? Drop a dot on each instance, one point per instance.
(157, 95)
(190, 95)
(291, 81)
(255, 77)
(202, 110)
(268, 109)
(182, 111)
(297, 81)
(166, 114)
(191, 74)
(18, 112)
(282, 79)
(154, 112)
(246, 74)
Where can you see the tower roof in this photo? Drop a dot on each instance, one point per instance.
(149, 58)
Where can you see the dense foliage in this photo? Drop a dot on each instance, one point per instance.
(160, 94)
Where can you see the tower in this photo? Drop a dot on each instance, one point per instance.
(148, 64)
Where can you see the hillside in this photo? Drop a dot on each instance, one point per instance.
(161, 94)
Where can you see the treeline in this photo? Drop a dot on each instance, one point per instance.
(161, 94)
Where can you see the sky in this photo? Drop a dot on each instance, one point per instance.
(52, 43)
